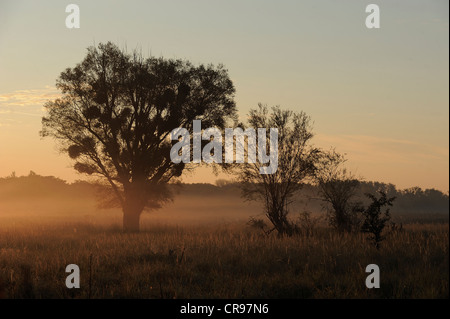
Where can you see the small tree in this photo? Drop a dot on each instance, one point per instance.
(296, 164)
(337, 187)
(374, 219)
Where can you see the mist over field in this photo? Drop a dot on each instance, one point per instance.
(35, 198)
(51, 200)
(201, 246)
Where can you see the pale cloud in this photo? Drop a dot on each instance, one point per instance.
(362, 148)
(32, 97)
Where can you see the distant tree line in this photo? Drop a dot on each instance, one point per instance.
(412, 200)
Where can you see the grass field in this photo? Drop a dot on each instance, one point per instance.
(227, 260)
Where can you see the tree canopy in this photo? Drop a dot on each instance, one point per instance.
(116, 114)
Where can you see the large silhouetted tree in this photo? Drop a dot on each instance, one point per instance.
(116, 114)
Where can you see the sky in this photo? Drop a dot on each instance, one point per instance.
(378, 95)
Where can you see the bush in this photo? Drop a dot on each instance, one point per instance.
(374, 219)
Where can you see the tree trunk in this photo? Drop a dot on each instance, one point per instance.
(131, 216)
(131, 222)
(132, 209)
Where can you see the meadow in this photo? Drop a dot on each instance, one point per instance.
(228, 260)
(201, 246)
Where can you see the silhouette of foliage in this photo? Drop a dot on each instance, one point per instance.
(116, 114)
(374, 219)
(296, 164)
(338, 187)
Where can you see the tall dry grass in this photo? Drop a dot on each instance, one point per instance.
(220, 261)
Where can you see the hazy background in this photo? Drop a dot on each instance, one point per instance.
(381, 96)
(38, 200)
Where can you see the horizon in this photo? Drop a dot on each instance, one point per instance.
(213, 183)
